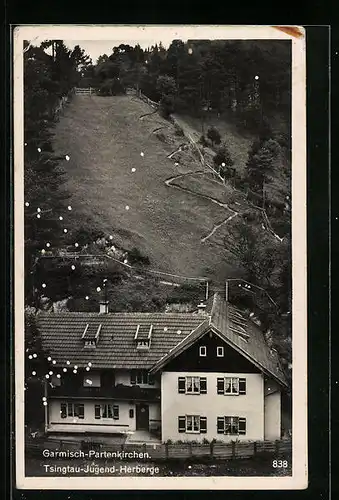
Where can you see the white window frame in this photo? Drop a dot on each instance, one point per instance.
(71, 410)
(232, 421)
(193, 431)
(220, 351)
(108, 410)
(232, 392)
(202, 349)
(192, 380)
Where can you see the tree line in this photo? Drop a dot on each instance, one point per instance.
(250, 78)
(51, 70)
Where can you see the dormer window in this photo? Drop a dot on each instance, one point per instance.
(90, 335)
(202, 351)
(89, 343)
(142, 337)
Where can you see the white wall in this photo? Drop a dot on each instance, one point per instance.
(212, 405)
(272, 403)
(89, 423)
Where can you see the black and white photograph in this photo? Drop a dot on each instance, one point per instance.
(160, 257)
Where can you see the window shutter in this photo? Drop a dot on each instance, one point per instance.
(242, 386)
(97, 411)
(133, 377)
(81, 411)
(220, 385)
(63, 410)
(181, 424)
(203, 425)
(203, 385)
(116, 412)
(181, 384)
(242, 425)
(220, 425)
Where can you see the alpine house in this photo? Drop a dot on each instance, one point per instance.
(181, 376)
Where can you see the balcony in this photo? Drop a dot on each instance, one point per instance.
(119, 392)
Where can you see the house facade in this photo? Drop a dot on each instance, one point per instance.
(178, 376)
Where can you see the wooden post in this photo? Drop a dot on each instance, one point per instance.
(255, 448)
(277, 443)
(211, 449)
(233, 450)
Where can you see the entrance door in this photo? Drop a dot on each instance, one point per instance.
(142, 417)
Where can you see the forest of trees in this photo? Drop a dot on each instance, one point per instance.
(250, 78)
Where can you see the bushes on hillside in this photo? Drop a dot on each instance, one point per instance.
(136, 257)
(178, 130)
(213, 135)
(166, 106)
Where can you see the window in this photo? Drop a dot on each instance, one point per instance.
(192, 424)
(202, 351)
(131, 413)
(231, 425)
(72, 410)
(231, 386)
(90, 343)
(141, 377)
(192, 385)
(220, 351)
(106, 411)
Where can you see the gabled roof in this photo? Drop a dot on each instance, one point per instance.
(61, 337)
(172, 333)
(237, 331)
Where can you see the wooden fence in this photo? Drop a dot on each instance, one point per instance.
(174, 451)
(84, 91)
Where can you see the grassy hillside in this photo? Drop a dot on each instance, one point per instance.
(104, 137)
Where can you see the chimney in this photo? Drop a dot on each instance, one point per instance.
(103, 307)
(201, 308)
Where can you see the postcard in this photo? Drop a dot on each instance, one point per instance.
(160, 257)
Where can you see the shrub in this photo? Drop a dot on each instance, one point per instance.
(214, 135)
(203, 141)
(136, 257)
(178, 130)
(161, 136)
(166, 106)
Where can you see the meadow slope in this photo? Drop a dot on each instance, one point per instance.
(104, 137)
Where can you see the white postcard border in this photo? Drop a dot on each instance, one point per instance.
(299, 478)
